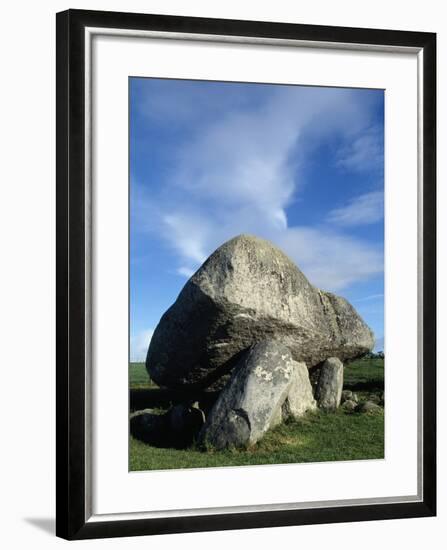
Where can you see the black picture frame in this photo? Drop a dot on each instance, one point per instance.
(71, 491)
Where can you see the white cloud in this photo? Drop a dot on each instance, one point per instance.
(330, 260)
(365, 152)
(242, 170)
(139, 344)
(185, 271)
(364, 209)
(252, 158)
(187, 235)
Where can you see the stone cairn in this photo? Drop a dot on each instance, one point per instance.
(250, 326)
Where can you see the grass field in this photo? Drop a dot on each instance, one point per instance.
(138, 377)
(317, 437)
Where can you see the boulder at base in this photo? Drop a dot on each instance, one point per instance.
(185, 422)
(150, 427)
(348, 395)
(251, 402)
(369, 407)
(246, 291)
(349, 405)
(178, 427)
(330, 384)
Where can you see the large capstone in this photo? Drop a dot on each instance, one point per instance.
(252, 400)
(247, 291)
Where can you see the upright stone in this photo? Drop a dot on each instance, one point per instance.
(330, 384)
(251, 402)
(300, 398)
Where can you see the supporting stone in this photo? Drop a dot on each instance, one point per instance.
(330, 384)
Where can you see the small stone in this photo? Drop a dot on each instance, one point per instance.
(151, 428)
(374, 398)
(349, 405)
(346, 395)
(176, 428)
(369, 407)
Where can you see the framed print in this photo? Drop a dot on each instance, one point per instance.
(246, 303)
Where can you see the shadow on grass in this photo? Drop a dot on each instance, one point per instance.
(146, 398)
(367, 386)
(174, 429)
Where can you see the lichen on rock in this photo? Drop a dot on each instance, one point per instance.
(248, 290)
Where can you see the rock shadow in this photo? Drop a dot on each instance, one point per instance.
(370, 386)
(161, 398)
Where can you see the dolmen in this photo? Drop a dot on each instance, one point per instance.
(249, 325)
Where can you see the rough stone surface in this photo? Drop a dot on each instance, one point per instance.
(349, 405)
(368, 407)
(246, 291)
(330, 384)
(375, 398)
(300, 398)
(346, 395)
(251, 402)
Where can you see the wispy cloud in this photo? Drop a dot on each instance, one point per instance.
(365, 152)
(187, 234)
(364, 209)
(239, 171)
(185, 271)
(139, 344)
(331, 260)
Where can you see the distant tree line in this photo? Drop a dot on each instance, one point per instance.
(375, 355)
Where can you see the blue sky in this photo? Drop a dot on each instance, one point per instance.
(301, 166)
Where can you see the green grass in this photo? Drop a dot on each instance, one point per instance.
(138, 376)
(365, 377)
(317, 437)
(364, 374)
